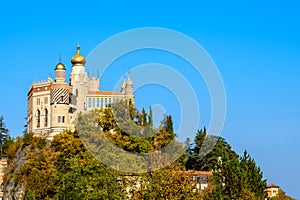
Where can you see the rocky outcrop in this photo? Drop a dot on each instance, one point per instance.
(13, 187)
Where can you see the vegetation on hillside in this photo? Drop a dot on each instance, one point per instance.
(68, 167)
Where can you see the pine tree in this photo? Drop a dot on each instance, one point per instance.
(3, 134)
(169, 125)
(3, 131)
(150, 117)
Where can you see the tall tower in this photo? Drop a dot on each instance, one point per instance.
(59, 101)
(129, 90)
(129, 86)
(79, 81)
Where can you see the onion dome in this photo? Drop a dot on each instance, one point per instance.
(60, 66)
(78, 59)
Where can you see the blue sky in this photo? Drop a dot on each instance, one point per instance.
(255, 45)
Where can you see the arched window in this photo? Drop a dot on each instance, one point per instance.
(38, 117)
(46, 117)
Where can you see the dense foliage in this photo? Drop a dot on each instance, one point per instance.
(63, 169)
(67, 168)
(235, 177)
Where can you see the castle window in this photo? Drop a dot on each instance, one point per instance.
(46, 118)
(46, 100)
(105, 102)
(76, 92)
(61, 119)
(97, 102)
(89, 102)
(38, 101)
(38, 117)
(93, 102)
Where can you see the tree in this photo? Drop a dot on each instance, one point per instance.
(252, 176)
(3, 134)
(30, 195)
(84, 177)
(281, 196)
(65, 170)
(150, 117)
(237, 178)
(167, 183)
(207, 150)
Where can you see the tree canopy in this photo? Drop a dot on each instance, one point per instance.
(68, 166)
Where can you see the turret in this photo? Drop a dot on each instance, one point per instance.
(129, 86)
(60, 73)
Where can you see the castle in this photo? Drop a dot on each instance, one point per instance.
(54, 104)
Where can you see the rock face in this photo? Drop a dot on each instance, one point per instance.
(12, 188)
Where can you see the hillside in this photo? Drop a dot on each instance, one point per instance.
(69, 166)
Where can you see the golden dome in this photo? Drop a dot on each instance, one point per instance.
(60, 66)
(78, 59)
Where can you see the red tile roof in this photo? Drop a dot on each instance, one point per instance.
(206, 173)
(104, 93)
(272, 185)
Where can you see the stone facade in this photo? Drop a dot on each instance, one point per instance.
(54, 104)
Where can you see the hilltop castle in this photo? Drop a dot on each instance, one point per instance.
(54, 104)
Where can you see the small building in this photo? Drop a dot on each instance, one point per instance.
(200, 178)
(272, 190)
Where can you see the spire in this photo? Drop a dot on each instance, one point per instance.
(78, 59)
(60, 59)
(60, 66)
(78, 49)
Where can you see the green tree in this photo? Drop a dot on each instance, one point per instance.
(237, 178)
(9, 148)
(150, 117)
(30, 195)
(3, 134)
(84, 177)
(166, 183)
(252, 176)
(207, 151)
(281, 196)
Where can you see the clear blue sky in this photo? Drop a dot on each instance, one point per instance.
(255, 44)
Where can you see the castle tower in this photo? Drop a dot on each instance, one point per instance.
(59, 101)
(129, 90)
(129, 86)
(48, 105)
(79, 81)
(60, 73)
